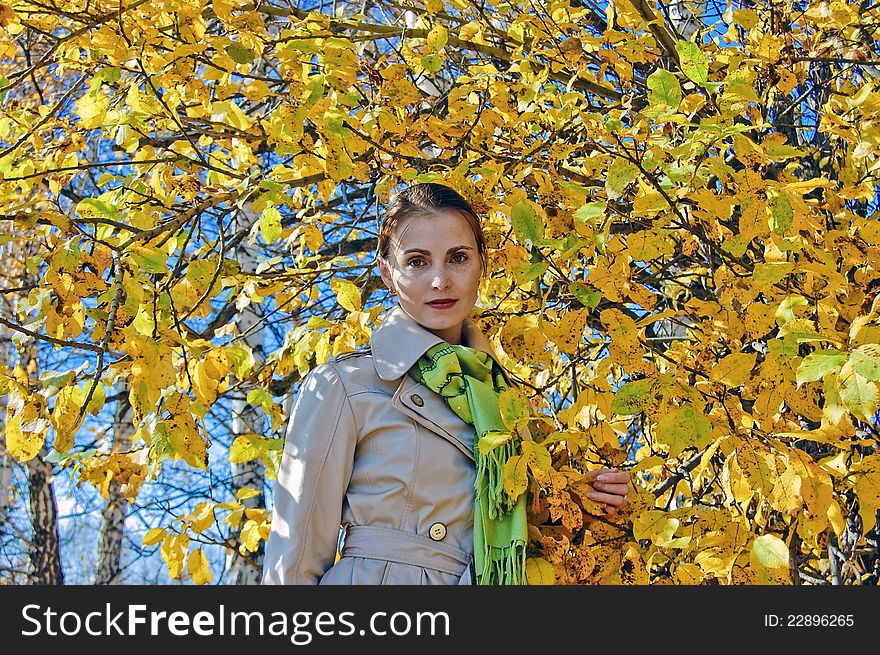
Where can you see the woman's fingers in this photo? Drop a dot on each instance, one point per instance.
(615, 489)
(614, 500)
(611, 487)
(609, 475)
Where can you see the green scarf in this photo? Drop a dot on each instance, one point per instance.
(470, 382)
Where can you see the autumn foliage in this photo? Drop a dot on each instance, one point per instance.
(680, 208)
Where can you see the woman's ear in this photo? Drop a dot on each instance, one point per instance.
(385, 273)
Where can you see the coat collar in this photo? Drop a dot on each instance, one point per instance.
(399, 341)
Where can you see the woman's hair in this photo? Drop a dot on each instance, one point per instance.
(428, 198)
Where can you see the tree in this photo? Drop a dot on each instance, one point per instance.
(679, 202)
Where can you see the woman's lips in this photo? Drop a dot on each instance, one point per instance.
(442, 305)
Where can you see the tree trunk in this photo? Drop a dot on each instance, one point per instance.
(113, 526)
(5, 460)
(247, 568)
(44, 551)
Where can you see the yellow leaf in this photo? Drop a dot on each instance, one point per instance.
(857, 393)
(203, 517)
(247, 492)
(250, 536)
(516, 476)
(689, 574)
(835, 518)
(197, 567)
(684, 427)
(64, 416)
(347, 294)
(23, 445)
(173, 551)
(437, 37)
(186, 441)
(513, 406)
(769, 551)
(867, 487)
(537, 456)
(656, 526)
(234, 517)
(154, 536)
(492, 440)
(734, 370)
(539, 572)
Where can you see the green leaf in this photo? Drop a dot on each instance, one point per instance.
(769, 551)
(590, 210)
(432, 63)
(513, 406)
(780, 152)
(771, 272)
(244, 449)
(833, 408)
(785, 313)
(492, 440)
(633, 397)
(655, 525)
(259, 398)
(239, 53)
(619, 176)
(684, 427)
(334, 123)
(693, 62)
(665, 91)
(865, 361)
(858, 394)
(96, 208)
(270, 225)
(525, 222)
(815, 365)
(586, 295)
(781, 214)
(524, 273)
(437, 37)
(149, 259)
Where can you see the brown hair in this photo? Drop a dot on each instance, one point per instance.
(428, 198)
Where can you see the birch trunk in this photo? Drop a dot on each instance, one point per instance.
(246, 568)
(113, 525)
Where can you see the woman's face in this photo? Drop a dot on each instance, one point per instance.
(433, 257)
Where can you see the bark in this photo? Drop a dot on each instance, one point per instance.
(683, 19)
(246, 568)
(113, 525)
(44, 550)
(5, 460)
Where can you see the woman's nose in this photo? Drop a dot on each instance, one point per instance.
(441, 279)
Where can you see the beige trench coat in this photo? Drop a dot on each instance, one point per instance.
(374, 451)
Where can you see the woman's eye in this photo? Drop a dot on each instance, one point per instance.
(414, 260)
(459, 258)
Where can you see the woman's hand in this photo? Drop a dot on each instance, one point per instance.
(610, 486)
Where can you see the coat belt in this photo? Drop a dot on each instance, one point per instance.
(406, 548)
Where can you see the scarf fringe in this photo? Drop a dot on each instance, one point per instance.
(490, 478)
(504, 566)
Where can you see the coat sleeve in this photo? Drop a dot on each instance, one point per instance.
(315, 470)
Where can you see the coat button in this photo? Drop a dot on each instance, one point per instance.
(437, 531)
(418, 402)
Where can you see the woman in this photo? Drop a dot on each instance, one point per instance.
(381, 441)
